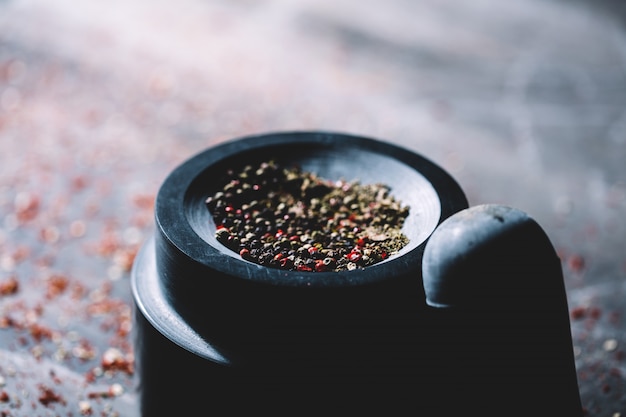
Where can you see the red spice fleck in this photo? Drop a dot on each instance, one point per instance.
(79, 182)
(26, 207)
(90, 376)
(57, 284)
(47, 396)
(125, 257)
(578, 313)
(285, 263)
(6, 322)
(576, 263)
(595, 312)
(84, 350)
(354, 256)
(9, 286)
(144, 201)
(304, 268)
(38, 309)
(114, 360)
(45, 261)
(20, 253)
(4, 397)
(39, 332)
(124, 326)
(99, 394)
(105, 306)
(49, 234)
(320, 266)
(108, 245)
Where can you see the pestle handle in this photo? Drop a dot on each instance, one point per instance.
(495, 288)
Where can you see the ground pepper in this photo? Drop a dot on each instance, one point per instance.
(287, 218)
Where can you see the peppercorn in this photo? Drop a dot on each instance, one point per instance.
(294, 220)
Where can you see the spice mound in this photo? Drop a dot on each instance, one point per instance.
(287, 218)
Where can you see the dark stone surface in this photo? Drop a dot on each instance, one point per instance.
(522, 102)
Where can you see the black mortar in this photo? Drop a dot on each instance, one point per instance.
(216, 330)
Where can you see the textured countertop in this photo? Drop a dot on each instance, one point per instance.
(521, 101)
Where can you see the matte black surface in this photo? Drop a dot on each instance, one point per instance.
(499, 303)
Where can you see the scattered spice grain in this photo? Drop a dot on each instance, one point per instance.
(9, 286)
(47, 396)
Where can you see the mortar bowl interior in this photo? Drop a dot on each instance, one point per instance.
(429, 192)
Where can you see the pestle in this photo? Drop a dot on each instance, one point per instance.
(499, 316)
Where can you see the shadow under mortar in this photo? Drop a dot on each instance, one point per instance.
(214, 330)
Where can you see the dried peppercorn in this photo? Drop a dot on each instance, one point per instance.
(286, 218)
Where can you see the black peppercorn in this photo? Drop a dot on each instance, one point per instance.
(294, 220)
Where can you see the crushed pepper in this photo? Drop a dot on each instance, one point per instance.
(287, 218)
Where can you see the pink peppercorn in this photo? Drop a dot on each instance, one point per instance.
(320, 266)
(354, 256)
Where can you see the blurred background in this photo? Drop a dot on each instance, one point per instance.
(523, 102)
